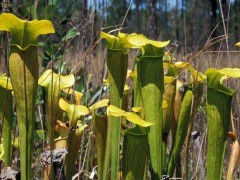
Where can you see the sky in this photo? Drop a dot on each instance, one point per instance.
(172, 3)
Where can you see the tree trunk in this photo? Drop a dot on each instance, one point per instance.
(176, 22)
(214, 17)
(153, 31)
(166, 34)
(138, 18)
(84, 23)
(236, 22)
(225, 7)
(193, 23)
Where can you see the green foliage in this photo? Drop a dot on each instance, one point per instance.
(54, 84)
(219, 99)
(135, 153)
(117, 77)
(156, 101)
(23, 67)
(6, 113)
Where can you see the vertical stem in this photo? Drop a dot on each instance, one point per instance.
(6, 117)
(100, 131)
(23, 68)
(53, 110)
(74, 141)
(218, 121)
(53, 115)
(135, 152)
(117, 63)
(151, 77)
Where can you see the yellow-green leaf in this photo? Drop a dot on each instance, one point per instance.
(115, 42)
(230, 72)
(1, 151)
(60, 142)
(168, 57)
(130, 116)
(197, 76)
(81, 110)
(66, 81)
(77, 95)
(106, 82)
(46, 78)
(74, 112)
(41, 134)
(5, 82)
(126, 88)
(238, 44)
(49, 76)
(164, 104)
(168, 79)
(64, 105)
(99, 104)
(134, 118)
(73, 92)
(114, 111)
(127, 41)
(148, 47)
(62, 129)
(136, 109)
(107, 36)
(215, 78)
(130, 74)
(80, 129)
(16, 143)
(139, 40)
(24, 33)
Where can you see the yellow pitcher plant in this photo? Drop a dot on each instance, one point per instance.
(24, 71)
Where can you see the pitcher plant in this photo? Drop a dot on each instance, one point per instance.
(24, 71)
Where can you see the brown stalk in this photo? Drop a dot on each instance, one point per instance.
(234, 157)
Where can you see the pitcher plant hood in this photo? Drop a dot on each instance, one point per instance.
(24, 33)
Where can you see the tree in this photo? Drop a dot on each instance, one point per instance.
(84, 16)
(193, 23)
(138, 20)
(153, 30)
(176, 21)
(214, 17)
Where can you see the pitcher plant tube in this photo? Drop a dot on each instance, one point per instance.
(99, 122)
(24, 70)
(54, 84)
(151, 82)
(169, 122)
(135, 148)
(117, 56)
(191, 99)
(6, 114)
(74, 113)
(219, 98)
